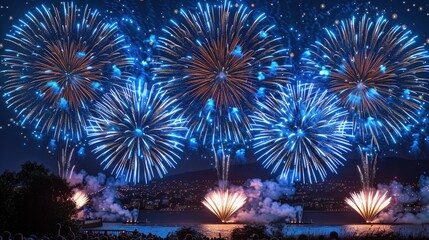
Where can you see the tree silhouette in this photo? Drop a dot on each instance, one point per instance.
(35, 201)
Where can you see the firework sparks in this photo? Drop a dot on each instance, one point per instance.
(368, 203)
(303, 129)
(224, 203)
(222, 163)
(65, 169)
(376, 72)
(80, 199)
(58, 62)
(216, 61)
(369, 166)
(138, 130)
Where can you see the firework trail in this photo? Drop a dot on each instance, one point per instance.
(58, 61)
(302, 132)
(369, 166)
(65, 168)
(138, 130)
(222, 165)
(376, 72)
(216, 60)
(66, 171)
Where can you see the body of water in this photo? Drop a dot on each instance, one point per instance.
(206, 217)
(345, 223)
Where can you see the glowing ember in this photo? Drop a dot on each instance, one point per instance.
(80, 199)
(368, 203)
(223, 203)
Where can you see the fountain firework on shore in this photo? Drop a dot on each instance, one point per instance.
(223, 202)
(80, 199)
(368, 202)
(96, 191)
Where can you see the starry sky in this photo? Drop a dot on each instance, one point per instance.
(298, 22)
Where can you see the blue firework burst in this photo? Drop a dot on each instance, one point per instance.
(378, 73)
(301, 132)
(138, 130)
(216, 60)
(58, 62)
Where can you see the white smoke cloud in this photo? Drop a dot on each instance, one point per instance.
(103, 195)
(262, 205)
(408, 205)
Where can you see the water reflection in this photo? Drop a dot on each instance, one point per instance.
(214, 230)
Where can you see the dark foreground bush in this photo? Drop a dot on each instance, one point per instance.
(34, 201)
(250, 232)
(186, 231)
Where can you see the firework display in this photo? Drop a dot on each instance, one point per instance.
(301, 130)
(138, 130)
(376, 71)
(58, 62)
(224, 203)
(368, 203)
(288, 84)
(216, 60)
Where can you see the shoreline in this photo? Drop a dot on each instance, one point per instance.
(213, 230)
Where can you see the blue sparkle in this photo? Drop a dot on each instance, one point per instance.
(81, 152)
(63, 104)
(193, 144)
(307, 53)
(260, 93)
(138, 132)
(52, 145)
(273, 68)
(324, 72)
(81, 54)
(116, 71)
(261, 76)
(96, 85)
(210, 105)
(237, 51)
(54, 85)
(240, 154)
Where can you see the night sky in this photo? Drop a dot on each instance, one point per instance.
(299, 23)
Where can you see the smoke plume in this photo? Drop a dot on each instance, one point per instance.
(103, 195)
(409, 205)
(263, 205)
